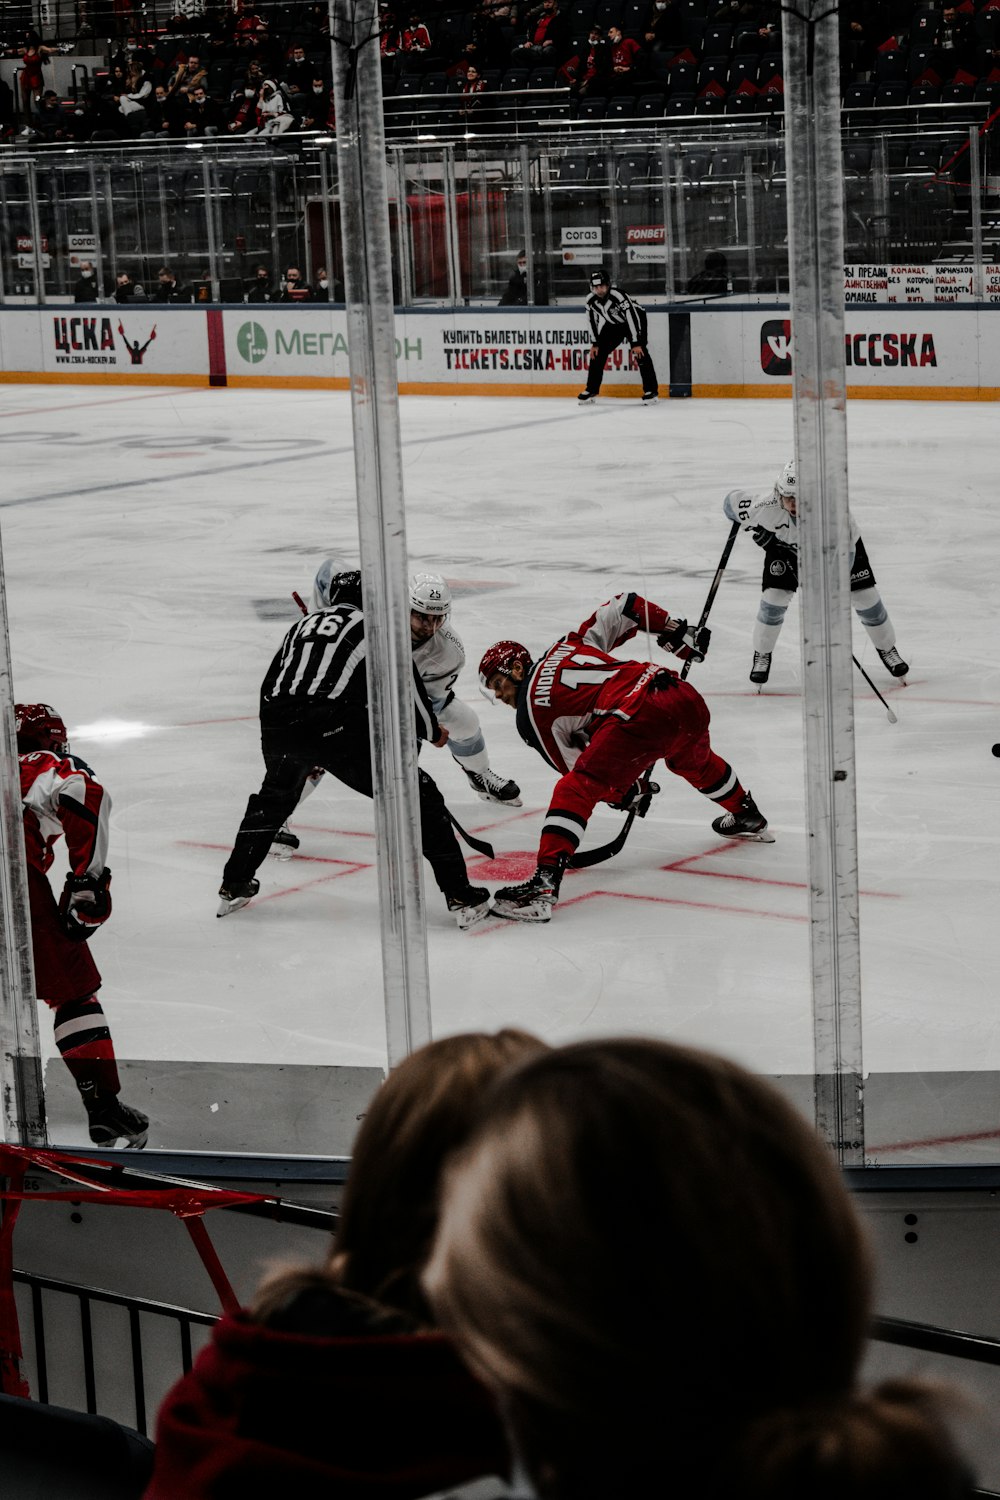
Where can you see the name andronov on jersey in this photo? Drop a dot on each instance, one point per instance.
(543, 684)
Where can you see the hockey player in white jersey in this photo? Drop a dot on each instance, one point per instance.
(770, 516)
(439, 656)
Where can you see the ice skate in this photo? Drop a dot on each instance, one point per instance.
(748, 822)
(648, 397)
(237, 895)
(585, 396)
(110, 1118)
(761, 669)
(284, 843)
(493, 788)
(532, 901)
(894, 663)
(470, 906)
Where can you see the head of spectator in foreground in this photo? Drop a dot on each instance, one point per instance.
(652, 1260)
(166, 277)
(419, 1116)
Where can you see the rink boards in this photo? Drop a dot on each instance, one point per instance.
(895, 352)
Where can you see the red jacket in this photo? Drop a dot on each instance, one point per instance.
(372, 1415)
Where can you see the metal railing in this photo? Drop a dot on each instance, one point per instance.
(137, 1308)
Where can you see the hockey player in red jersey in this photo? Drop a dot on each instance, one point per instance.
(602, 722)
(61, 797)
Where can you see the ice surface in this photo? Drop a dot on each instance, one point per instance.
(151, 544)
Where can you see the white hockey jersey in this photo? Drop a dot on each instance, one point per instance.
(438, 661)
(754, 509)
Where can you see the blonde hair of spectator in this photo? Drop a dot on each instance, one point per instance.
(653, 1261)
(388, 1217)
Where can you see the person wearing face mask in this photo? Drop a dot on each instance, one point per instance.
(327, 290)
(665, 27)
(318, 111)
(259, 289)
(243, 110)
(85, 289)
(296, 289)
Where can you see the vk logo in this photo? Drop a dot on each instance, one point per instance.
(776, 347)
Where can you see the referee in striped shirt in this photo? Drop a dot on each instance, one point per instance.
(614, 317)
(314, 712)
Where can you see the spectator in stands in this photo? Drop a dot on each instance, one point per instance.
(295, 288)
(243, 111)
(652, 1260)
(625, 54)
(596, 59)
(472, 86)
(327, 290)
(298, 71)
(162, 112)
(319, 109)
(388, 32)
(273, 115)
(124, 287)
(50, 121)
(955, 48)
(187, 75)
(493, 31)
(259, 288)
(713, 278)
(544, 36)
(6, 107)
(85, 289)
(138, 85)
(33, 59)
(203, 115)
(415, 36)
(334, 1382)
(516, 291)
(168, 288)
(665, 27)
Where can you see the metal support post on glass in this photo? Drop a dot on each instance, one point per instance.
(381, 516)
(816, 275)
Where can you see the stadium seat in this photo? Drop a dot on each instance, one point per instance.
(923, 93)
(634, 16)
(923, 156)
(890, 67)
(650, 107)
(890, 95)
(743, 104)
(710, 104)
(728, 165)
(858, 157)
(716, 39)
(859, 96)
(542, 78)
(696, 165)
(679, 105)
(681, 79)
(633, 169)
(621, 107)
(592, 109)
(714, 70)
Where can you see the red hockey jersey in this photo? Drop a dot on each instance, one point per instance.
(577, 683)
(60, 795)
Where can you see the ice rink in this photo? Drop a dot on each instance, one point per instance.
(151, 544)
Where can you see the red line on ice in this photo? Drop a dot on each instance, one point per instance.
(312, 859)
(683, 867)
(939, 1140)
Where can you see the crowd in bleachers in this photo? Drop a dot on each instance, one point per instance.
(243, 70)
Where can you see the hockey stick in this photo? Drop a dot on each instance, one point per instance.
(480, 845)
(892, 716)
(584, 858)
(727, 549)
(298, 599)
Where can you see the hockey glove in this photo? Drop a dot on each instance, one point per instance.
(685, 641)
(762, 536)
(638, 797)
(85, 904)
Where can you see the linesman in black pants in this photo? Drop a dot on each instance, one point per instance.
(314, 712)
(614, 317)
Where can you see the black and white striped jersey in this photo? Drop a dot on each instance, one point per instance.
(320, 674)
(618, 309)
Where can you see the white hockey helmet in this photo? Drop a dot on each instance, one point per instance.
(430, 595)
(785, 484)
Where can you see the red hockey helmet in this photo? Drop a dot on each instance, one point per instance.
(39, 727)
(501, 657)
